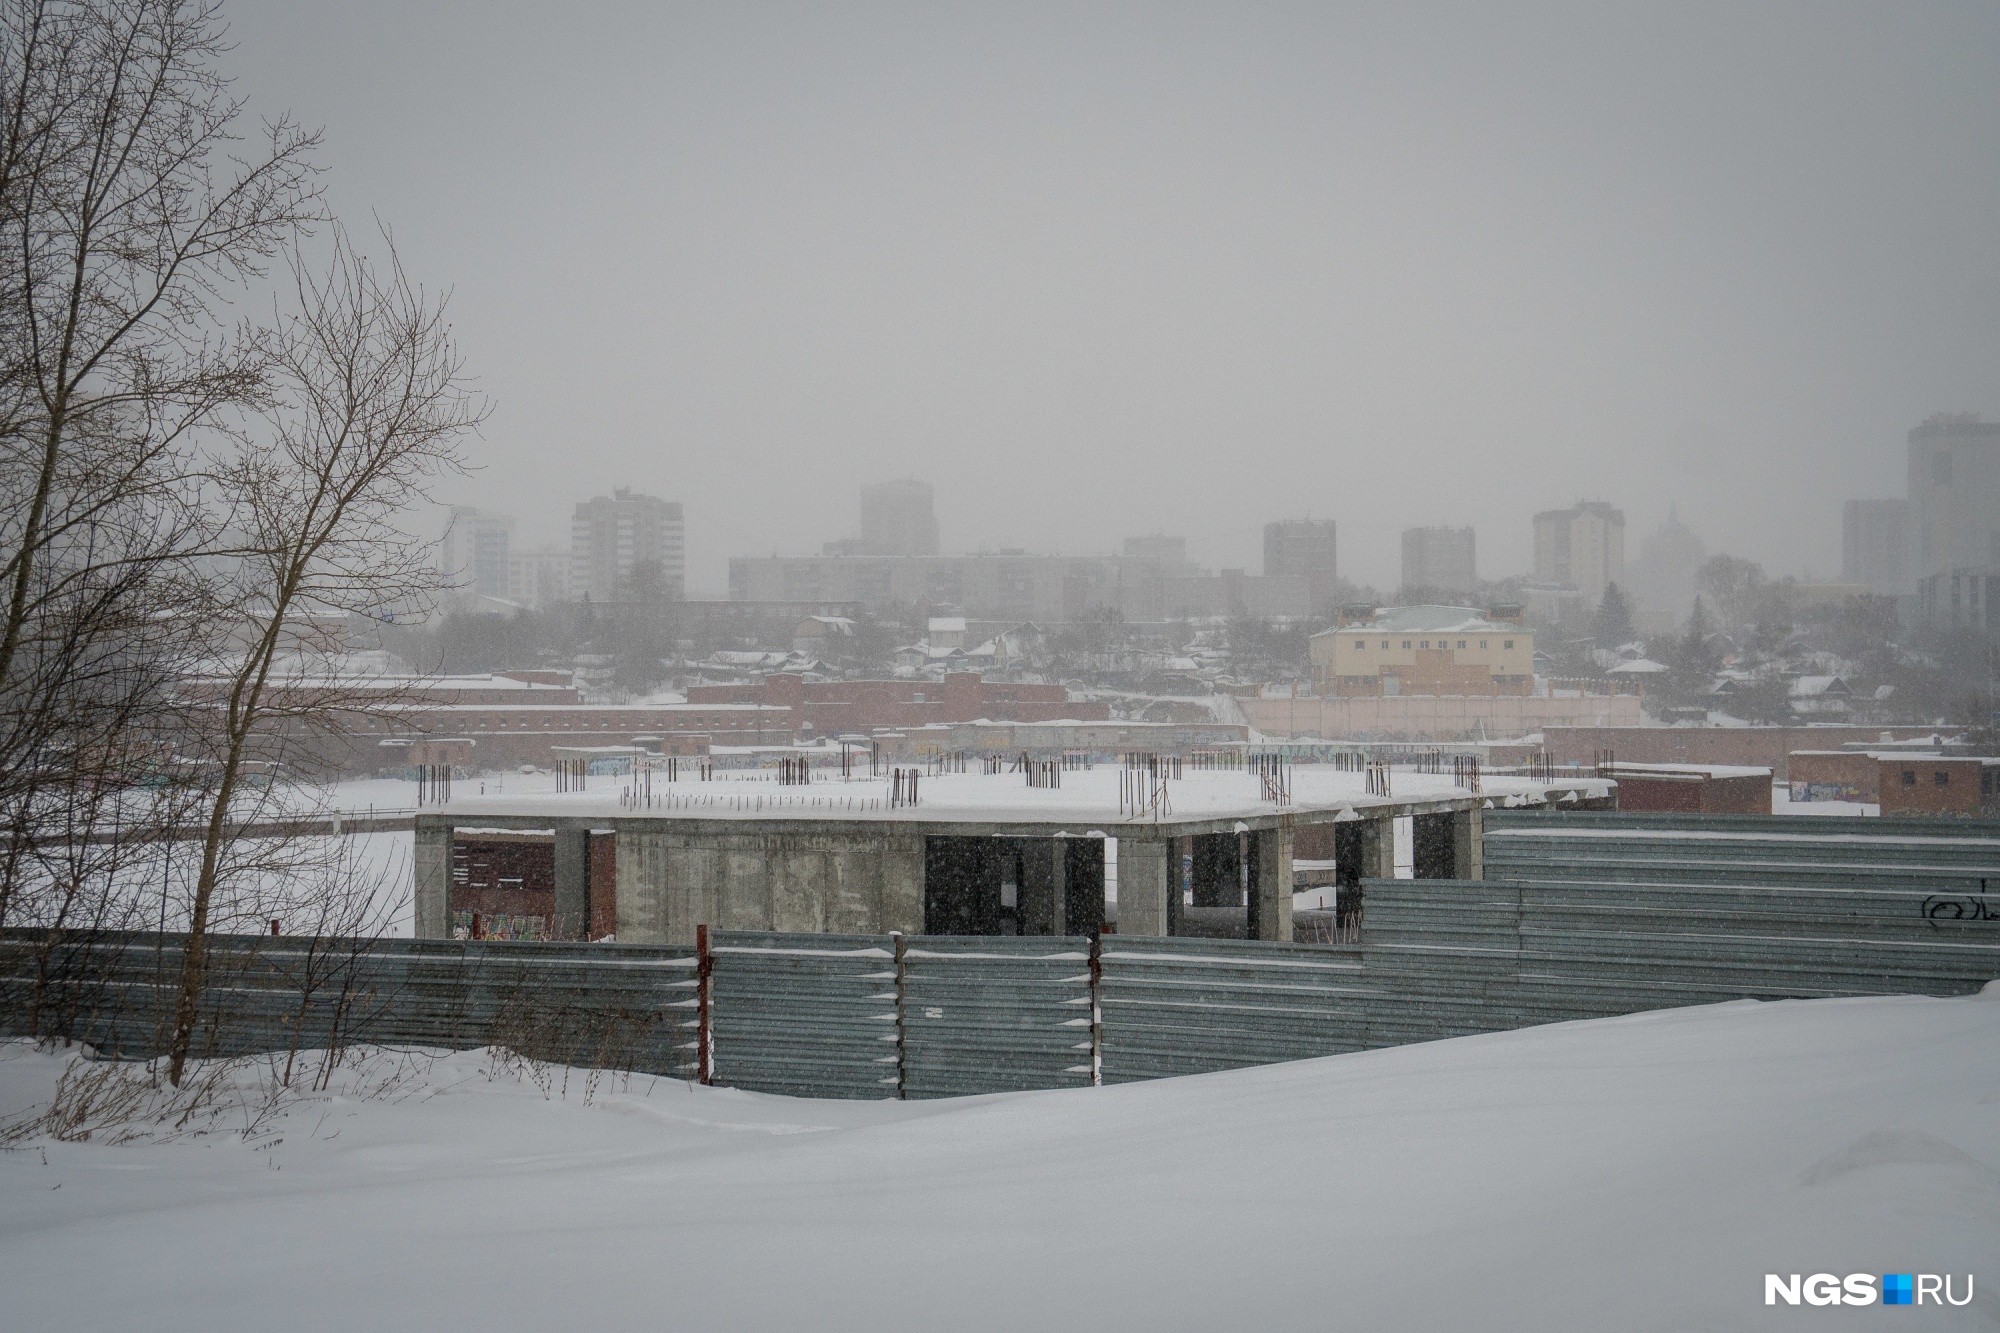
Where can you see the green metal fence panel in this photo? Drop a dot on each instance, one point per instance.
(804, 1015)
(996, 1014)
(1614, 845)
(614, 1006)
(1501, 954)
(1186, 1006)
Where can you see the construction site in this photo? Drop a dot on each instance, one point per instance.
(1214, 844)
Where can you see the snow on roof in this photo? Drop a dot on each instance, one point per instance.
(1639, 666)
(947, 624)
(1622, 769)
(1428, 619)
(1807, 687)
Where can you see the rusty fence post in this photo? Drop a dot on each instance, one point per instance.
(704, 968)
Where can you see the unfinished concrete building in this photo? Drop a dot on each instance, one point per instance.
(967, 860)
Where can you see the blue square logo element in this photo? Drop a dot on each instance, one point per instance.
(1895, 1289)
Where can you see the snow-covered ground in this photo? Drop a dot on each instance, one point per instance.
(1631, 1174)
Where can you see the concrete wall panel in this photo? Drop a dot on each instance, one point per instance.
(643, 859)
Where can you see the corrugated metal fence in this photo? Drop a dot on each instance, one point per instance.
(622, 1006)
(806, 1015)
(1186, 1006)
(1581, 917)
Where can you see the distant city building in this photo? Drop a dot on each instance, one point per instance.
(1402, 650)
(897, 519)
(1171, 552)
(1305, 548)
(624, 546)
(1444, 558)
(1878, 546)
(474, 553)
(1582, 547)
(1662, 577)
(1954, 493)
(538, 578)
(1014, 586)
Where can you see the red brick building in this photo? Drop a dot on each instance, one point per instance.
(830, 708)
(1935, 785)
(1755, 747)
(1704, 789)
(1834, 775)
(1902, 784)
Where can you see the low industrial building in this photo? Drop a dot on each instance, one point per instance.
(1103, 741)
(836, 707)
(1900, 782)
(1756, 747)
(1707, 789)
(1397, 650)
(1442, 717)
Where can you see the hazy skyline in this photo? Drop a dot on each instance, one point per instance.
(1107, 271)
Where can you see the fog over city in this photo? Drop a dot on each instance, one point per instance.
(1097, 272)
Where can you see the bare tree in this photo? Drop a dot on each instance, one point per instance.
(127, 209)
(368, 405)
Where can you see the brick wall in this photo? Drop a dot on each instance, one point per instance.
(1927, 786)
(1763, 747)
(1834, 776)
(1694, 793)
(833, 707)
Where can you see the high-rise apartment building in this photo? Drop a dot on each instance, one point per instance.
(473, 555)
(1954, 492)
(1305, 548)
(624, 546)
(1444, 559)
(1582, 547)
(897, 519)
(1878, 546)
(1662, 577)
(538, 578)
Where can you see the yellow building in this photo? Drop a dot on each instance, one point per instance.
(1425, 650)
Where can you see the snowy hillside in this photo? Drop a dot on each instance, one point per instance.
(1630, 1173)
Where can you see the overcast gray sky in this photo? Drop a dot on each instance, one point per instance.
(1098, 270)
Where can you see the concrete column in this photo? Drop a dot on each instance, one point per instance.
(1272, 915)
(1468, 858)
(431, 860)
(1142, 886)
(1176, 885)
(572, 883)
